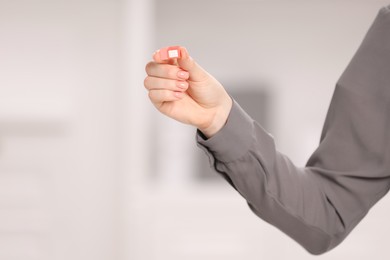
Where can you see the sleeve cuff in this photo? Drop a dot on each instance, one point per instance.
(233, 140)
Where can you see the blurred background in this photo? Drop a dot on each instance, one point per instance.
(90, 170)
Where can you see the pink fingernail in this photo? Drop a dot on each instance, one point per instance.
(183, 74)
(182, 84)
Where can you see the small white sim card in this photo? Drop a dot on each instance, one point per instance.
(173, 53)
(170, 52)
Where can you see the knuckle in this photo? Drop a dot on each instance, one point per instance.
(151, 95)
(147, 82)
(148, 67)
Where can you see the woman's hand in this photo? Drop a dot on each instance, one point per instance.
(182, 90)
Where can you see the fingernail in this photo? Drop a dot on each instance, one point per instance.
(183, 74)
(181, 84)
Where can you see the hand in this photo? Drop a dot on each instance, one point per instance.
(182, 90)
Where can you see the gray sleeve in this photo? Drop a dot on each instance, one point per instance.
(320, 204)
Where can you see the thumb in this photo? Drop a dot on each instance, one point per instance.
(186, 62)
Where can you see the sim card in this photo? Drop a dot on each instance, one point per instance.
(171, 52)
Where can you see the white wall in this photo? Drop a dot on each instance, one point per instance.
(90, 170)
(136, 144)
(60, 76)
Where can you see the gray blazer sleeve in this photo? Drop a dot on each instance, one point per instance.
(320, 204)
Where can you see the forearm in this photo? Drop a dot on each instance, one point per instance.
(320, 204)
(280, 193)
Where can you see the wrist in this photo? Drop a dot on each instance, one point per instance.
(219, 119)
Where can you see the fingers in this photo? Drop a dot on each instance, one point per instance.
(170, 75)
(167, 71)
(183, 61)
(160, 96)
(165, 82)
(154, 83)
